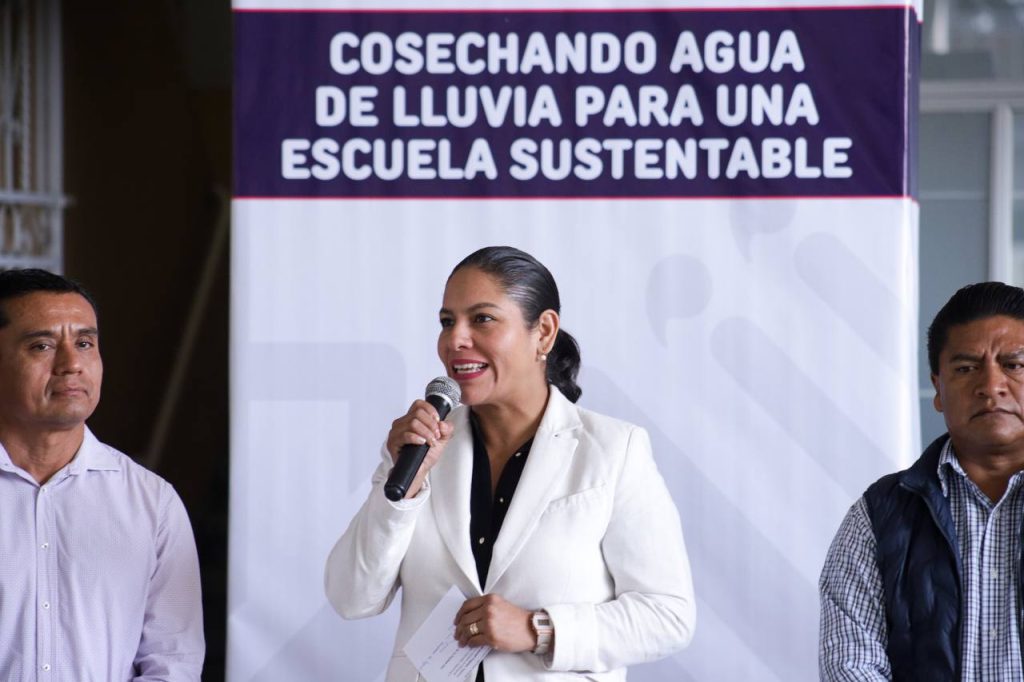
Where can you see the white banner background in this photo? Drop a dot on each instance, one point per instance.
(767, 346)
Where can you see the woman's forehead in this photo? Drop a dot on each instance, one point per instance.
(473, 283)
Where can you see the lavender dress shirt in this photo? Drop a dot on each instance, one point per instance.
(99, 579)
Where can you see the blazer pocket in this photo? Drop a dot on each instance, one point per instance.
(583, 498)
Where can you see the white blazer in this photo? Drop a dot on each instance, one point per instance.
(591, 536)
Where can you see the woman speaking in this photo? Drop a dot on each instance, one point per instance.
(553, 520)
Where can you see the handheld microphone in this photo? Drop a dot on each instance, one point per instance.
(444, 394)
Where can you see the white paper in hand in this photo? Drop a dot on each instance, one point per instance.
(434, 650)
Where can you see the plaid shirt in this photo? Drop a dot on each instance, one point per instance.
(853, 627)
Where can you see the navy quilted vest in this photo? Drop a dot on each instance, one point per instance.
(919, 560)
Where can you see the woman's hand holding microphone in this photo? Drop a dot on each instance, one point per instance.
(420, 425)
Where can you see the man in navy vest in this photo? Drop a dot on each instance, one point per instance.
(923, 579)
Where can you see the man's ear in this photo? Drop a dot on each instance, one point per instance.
(937, 400)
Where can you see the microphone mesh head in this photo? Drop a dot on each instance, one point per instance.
(446, 387)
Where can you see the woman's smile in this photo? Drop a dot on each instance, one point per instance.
(465, 370)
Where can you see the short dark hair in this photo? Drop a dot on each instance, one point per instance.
(527, 282)
(972, 302)
(23, 281)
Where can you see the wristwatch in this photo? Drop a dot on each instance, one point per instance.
(540, 621)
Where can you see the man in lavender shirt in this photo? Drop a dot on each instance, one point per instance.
(99, 580)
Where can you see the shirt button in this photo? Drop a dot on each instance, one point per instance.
(46, 667)
(518, 453)
(45, 545)
(481, 541)
(993, 632)
(46, 604)
(501, 500)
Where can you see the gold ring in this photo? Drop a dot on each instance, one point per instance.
(473, 630)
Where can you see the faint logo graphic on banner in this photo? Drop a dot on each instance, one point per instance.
(679, 286)
(855, 294)
(750, 220)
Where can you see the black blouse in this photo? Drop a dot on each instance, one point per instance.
(487, 513)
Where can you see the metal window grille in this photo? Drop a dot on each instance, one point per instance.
(31, 141)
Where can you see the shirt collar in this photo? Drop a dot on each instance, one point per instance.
(948, 463)
(5, 460)
(92, 455)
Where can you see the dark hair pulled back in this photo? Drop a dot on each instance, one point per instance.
(527, 282)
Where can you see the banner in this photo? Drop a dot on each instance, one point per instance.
(725, 196)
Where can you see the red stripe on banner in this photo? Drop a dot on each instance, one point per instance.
(866, 197)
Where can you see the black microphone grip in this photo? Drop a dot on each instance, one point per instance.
(410, 457)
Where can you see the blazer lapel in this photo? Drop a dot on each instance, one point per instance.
(553, 448)
(450, 483)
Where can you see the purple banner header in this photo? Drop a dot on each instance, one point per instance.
(813, 102)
